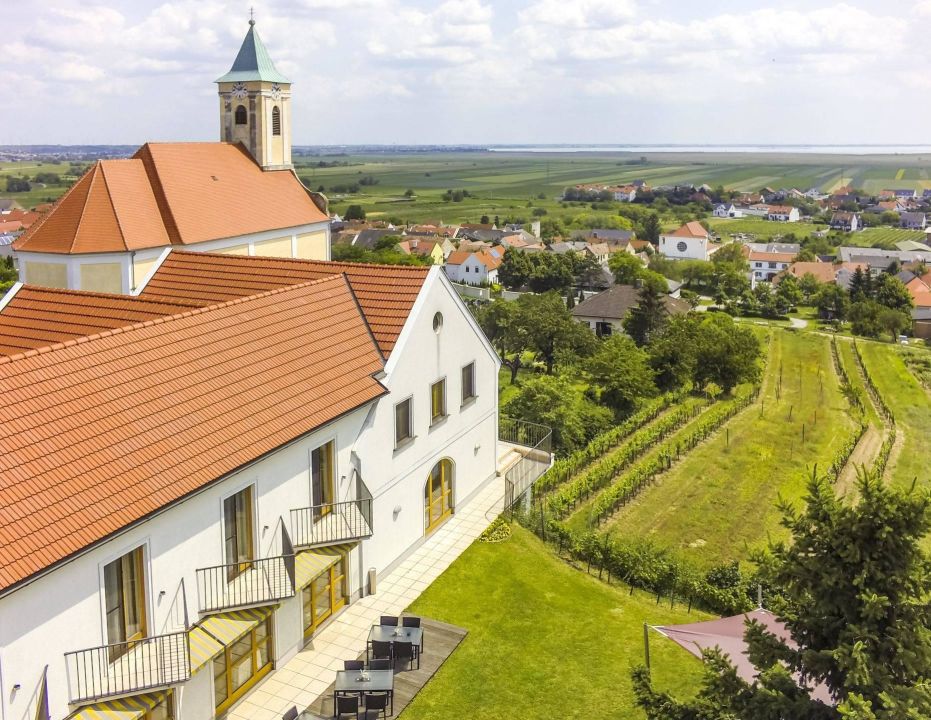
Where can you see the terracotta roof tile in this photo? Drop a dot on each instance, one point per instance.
(171, 193)
(100, 432)
(386, 293)
(38, 316)
(693, 229)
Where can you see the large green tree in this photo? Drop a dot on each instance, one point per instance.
(725, 353)
(625, 267)
(621, 373)
(853, 585)
(649, 316)
(554, 401)
(550, 329)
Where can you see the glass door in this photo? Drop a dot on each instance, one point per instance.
(124, 590)
(324, 595)
(438, 494)
(321, 479)
(237, 533)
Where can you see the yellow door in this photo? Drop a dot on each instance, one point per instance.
(438, 495)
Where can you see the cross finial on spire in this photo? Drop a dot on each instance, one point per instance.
(252, 16)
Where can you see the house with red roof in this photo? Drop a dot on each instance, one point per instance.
(689, 242)
(474, 268)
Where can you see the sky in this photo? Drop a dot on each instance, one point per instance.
(478, 71)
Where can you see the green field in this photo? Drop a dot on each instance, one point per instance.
(760, 228)
(512, 184)
(882, 237)
(721, 498)
(37, 194)
(911, 406)
(545, 639)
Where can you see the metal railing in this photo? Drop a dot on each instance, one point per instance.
(535, 443)
(255, 582)
(128, 667)
(331, 523)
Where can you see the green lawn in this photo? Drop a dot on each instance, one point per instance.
(720, 500)
(882, 237)
(545, 639)
(760, 228)
(911, 406)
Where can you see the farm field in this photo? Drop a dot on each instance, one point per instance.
(720, 500)
(513, 183)
(761, 229)
(911, 406)
(521, 605)
(36, 195)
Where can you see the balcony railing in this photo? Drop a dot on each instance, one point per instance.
(124, 668)
(257, 582)
(534, 444)
(332, 523)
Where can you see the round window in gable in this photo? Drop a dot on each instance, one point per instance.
(437, 322)
(682, 247)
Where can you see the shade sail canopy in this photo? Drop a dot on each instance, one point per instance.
(727, 634)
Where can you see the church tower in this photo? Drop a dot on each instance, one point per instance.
(255, 105)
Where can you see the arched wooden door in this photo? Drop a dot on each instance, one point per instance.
(438, 495)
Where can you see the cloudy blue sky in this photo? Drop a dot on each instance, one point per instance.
(478, 71)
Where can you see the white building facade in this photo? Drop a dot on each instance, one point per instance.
(210, 593)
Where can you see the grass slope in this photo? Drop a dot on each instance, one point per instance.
(545, 640)
(911, 406)
(721, 498)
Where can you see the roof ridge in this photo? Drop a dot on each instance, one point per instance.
(34, 228)
(91, 293)
(116, 215)
(94, 168)
(144, 154)
(264, 258)
(164, 319)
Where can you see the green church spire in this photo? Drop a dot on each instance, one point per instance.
(253, 61)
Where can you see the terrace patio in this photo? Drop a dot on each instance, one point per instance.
(307, 677)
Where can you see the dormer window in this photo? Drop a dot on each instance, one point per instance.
(276, 121)
(242, 117)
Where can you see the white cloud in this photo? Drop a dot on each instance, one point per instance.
(579, 13)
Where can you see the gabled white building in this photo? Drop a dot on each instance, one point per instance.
(215, 483)
(689, 242)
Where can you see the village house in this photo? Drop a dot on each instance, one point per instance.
(913, 220)
(690, 242)
(604, 313)
(473, 268)
(782, 213)
(767, 260)
(727, 210)
(825, 272)
(845, 221)
(437, 249)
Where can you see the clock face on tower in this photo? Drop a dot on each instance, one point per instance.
(276, 91)
(239, 91)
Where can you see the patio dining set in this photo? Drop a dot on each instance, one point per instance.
(364, 689)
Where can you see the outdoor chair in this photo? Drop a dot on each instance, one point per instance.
(381, 649)
(390, 620)
(380, 664)
(377, 703)
(410, 622)
(291, 714)
(405, 651)
(353, 665)
(346, 705)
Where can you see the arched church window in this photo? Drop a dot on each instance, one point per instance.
(276, 121)
(241, 117)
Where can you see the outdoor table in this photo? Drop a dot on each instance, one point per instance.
(391, 634)
(348, 683)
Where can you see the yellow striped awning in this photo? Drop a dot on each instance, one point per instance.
(310, 563)
(213, 633)
(128, 708)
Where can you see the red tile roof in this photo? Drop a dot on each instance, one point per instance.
(11, 226)
(98, 433)
(693, 229)
(771, 256)
(37, 317)
(386, 293)
(171, 193)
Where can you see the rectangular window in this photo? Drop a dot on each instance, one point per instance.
(403, 423)
(124, 598)
(321, 477)
(437, 401)
(237, 532)
(468, 382)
